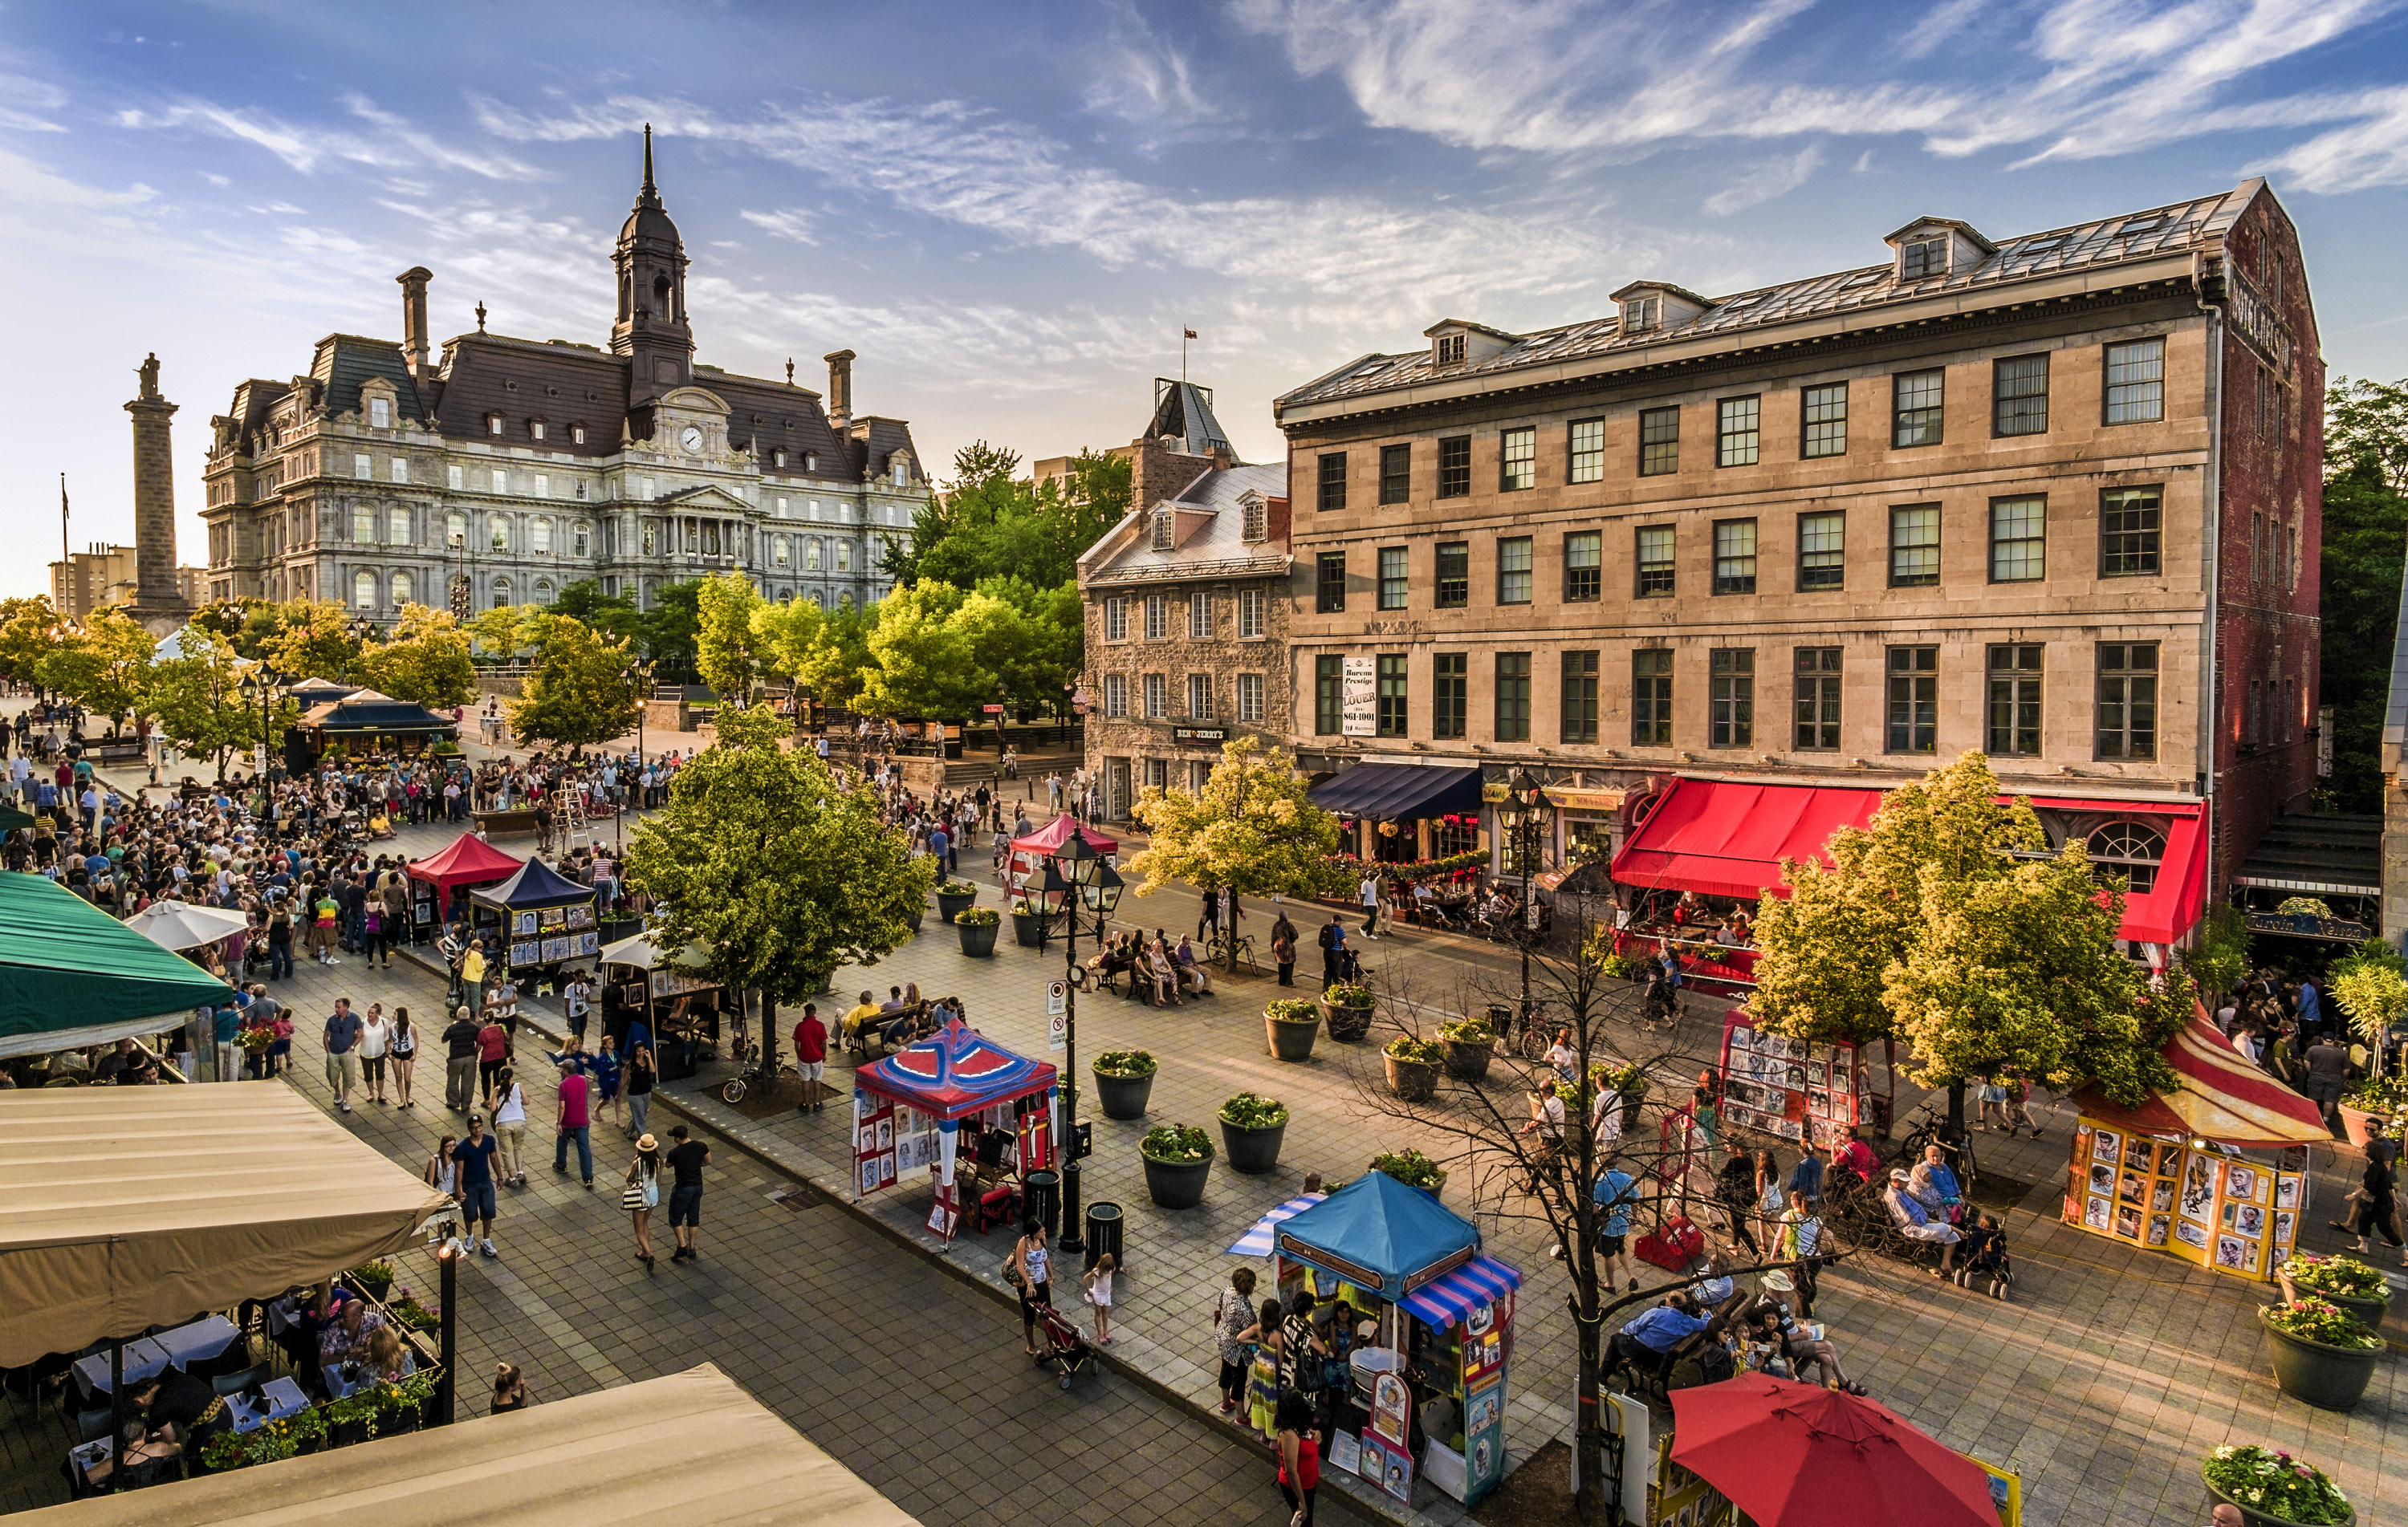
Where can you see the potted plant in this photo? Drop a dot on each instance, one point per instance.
(2378, 1102)
(1614, 967)
(1031, 922)
(373, 1278)
(2270, 1487)
(1178, 1159)
(1412, 1067)
(2323, 1355)
(953, 896)
(1252, 1126)
(1470, 1043)
(1412, 1169)
(2356, 1288)
(1289, 1024)
(2308, 914)
(978, 927)
(1124, 1081)
(408, 1313)
(1348, 1006)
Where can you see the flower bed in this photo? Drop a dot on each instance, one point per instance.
(2323, 1323)
(2273, 1483)
(281, 1439)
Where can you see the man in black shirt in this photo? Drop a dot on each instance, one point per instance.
(460, 1071)
(688, 1157)
(1735, 1186)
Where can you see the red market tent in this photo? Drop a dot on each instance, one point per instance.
(954, 1072)
(1799, 1455)
(469, 862)
(1025, 867)
(2221, 1098)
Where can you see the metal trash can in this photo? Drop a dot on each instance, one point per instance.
(1104, 1233)
(1041, 1199)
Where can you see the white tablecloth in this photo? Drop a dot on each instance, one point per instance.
(146, 1359)
(284, 1398)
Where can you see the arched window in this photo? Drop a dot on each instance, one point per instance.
(501, 532)
(811, 555)
(363, 590)
(399, 520)
(364, 526)
(543, 591)
(812, 599)
(501, 593)
(844, 598)
(540, 533)
(403, 590)
(2130, 848)
(455, 529)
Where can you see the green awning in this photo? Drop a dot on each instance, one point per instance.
(11, 818)
(71, 975)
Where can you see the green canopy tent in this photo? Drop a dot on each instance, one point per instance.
(72, 976)
(11, 818)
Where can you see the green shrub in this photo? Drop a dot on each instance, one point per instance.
(977, 917)
(1127, 1064)
(1348, 994)
(1292, 1010)
(1410, 1168)
(958, 888)
(1176, 1145)
(1615, 967)
(2322, 1321)
(1404, 1046)
(1252, 1110)
(1467, 1030)
(2336, 1278)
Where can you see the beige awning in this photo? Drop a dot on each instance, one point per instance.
(130, 1207)
(689, 1449)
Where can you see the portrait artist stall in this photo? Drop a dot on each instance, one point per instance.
(470, 862)
(1797, 1090)
(648, 991)
(1443, 1316)
(539, 919)
(2215, 1172)
(908, 1110)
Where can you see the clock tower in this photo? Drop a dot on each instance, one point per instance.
(652, 329)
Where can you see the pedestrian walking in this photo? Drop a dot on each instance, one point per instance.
(640, 1077)
(509, 1124)
(686, 1159)
(1299, 1457)
(1263, 1370)
(343, 1028)
(405, 1055)
(1283, 949)
(493, 1055)
(573, 1122)
(1098, 1284)
(376, 1044)
(577, 1002)
(476, 1155)
(460, 1075)
(1030, 1276)
(1232, 1313)
(607, 1069)
(442, 1172)
(642, 1194)
(810, 1057)
(1368, 894)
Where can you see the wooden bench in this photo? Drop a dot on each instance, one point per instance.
(516, 823)
(909, 1026)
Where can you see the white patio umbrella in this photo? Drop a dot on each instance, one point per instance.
(181, 926)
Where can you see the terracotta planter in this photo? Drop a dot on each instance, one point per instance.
(2353, 1123)
(949, 908)
(1291, 1038)
(1469, 1061)
(1176, 1185)
(1124, 1097)
(2253, 1518)
(1410, 1079)
(2368, 1311)
(2312, 1373)
(1251, 1150)
(1347, 1023)
(978, 939)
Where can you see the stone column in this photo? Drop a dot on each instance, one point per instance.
(157, 599)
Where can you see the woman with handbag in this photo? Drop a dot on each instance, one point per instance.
(1027, 1272)
(642, 1195)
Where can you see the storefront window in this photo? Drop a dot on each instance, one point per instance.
(1588, 837)
(1451, 836)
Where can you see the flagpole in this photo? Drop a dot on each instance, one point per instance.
(66, 558)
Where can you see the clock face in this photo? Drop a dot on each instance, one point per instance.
(692, 438)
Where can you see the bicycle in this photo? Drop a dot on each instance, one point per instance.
(748, 1056)
(1929, 1129)
(1217, 952)
(1532, 1038)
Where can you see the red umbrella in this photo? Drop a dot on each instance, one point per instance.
(1793, 1455)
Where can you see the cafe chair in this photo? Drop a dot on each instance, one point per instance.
(93, 1425)
(234, 1383)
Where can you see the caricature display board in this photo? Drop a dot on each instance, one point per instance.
(2237, 1211)
(1790, 1089)
(874, 1163)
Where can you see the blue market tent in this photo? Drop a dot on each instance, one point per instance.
(954, 1074)
(1378, 1233)
(536, 885)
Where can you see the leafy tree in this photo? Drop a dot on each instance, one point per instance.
(424, 660)
(783, 875)
(2366, 427)
(223, 618)
(922, 661)
(1057, 655)
(988, 523)
(29, 628)
(725, 652)
(2365, 530)
(2219, 961)
(612, 614)
(1940, 927)
(582, 689)
(101, 662)
(1252, 828)
(825, 651)
(669, 629)
(198, 702)
(311, 639)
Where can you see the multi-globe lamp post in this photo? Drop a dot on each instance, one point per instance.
(1077, 874)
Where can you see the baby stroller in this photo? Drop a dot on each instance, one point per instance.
(1067, 1347)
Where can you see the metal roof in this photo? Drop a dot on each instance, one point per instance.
(1217, 549)
(2127, 237)
(1184, 410)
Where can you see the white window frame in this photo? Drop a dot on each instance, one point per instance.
(1250, 697)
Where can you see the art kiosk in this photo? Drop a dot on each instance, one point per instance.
(909, 1109)
(1396, 1255)
(540, 919)
(1026, 864)
(1801, 1091)
(639, 976)
(2215, 1172)
(470, 862)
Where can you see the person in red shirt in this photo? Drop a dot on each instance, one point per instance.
(493, 1053)
(1299, 1452)
(810, 1054)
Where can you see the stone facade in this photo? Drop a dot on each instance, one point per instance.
(105, 574)
(157, 601)
(508, 468)
(1842, 530)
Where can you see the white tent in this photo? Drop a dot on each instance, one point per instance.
(181, 926)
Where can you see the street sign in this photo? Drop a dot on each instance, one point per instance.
(1057, 1031)
(1057, 1021)
(1530, 914)
(1083, 1141)
(1057, 998)
(992, 710)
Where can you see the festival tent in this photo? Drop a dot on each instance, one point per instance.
(470, 861)
(11, 818)
(950, 1076)
(536, 885)
(317, 692)
(106, 1228)
(1380, 1235)
(691, 1448)
(1025, 866)
(72, 976)
(1257, 1241)
(637, 949)
(181, 926)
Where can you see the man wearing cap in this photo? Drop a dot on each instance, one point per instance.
(475, 1155)
(1914, 1223)
(687, 1158)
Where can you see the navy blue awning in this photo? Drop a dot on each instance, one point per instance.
(1399, 791)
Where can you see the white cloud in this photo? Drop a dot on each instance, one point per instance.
(1138, 76)
(785, 223)
(2373, 152)
(1764, 179)
(392, 145)
(25, 103)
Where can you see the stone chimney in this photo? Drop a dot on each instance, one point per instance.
(157, 602)
(1157, 471)
(839, 392)
(414, 349)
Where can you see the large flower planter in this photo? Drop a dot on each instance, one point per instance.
(978, 939)
(1468, 1060)
(1291, 1038)
(1176, 1185)
(1028, 930)
(2313, 1373)
(1347, 1023)
(2354, 1123)
(375, 1288)
(2253, 1518)
(1251, 1150)
(1410, 1079)
(949, 908)
(2370, 1312)
(1124, 1097)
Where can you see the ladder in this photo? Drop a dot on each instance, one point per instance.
(574, 817)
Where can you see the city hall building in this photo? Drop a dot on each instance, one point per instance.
(1719, 569)
(508, 468)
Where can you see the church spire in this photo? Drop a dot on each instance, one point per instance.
(651, 327)
(650, 193)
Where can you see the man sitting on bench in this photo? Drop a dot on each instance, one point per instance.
(1646, 1344)
(857, 1016)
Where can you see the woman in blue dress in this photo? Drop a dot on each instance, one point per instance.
(605, 1067)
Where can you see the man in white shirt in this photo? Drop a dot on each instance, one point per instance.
(1368, 893)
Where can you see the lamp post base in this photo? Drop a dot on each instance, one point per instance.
(1073, 1226)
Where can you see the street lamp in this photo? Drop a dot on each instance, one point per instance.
(262, 682)
(1077, 874)
(1525, 814)
(640, 678)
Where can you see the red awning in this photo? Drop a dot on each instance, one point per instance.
(2222, 1098)
(1044, 840)
(1721, 838)
(469, 861)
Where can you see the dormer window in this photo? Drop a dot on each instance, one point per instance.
(810, 461)
(494, 424)
(1162, 531)
(777, 457)
(1256, 523)
(534, 429)
(1919, 258)
(1640, 314)
(1450, 348)
(1931, 247)
(577, 434)
(902, 474)
(381, 413)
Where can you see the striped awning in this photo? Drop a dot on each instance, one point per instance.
(1257, 1241)
(1443, 1302)
(2222, 1098)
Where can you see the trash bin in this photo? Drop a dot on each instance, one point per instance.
(1040, 1199)
(1104, 1233)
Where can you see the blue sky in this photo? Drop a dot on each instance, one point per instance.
(1011, 210)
